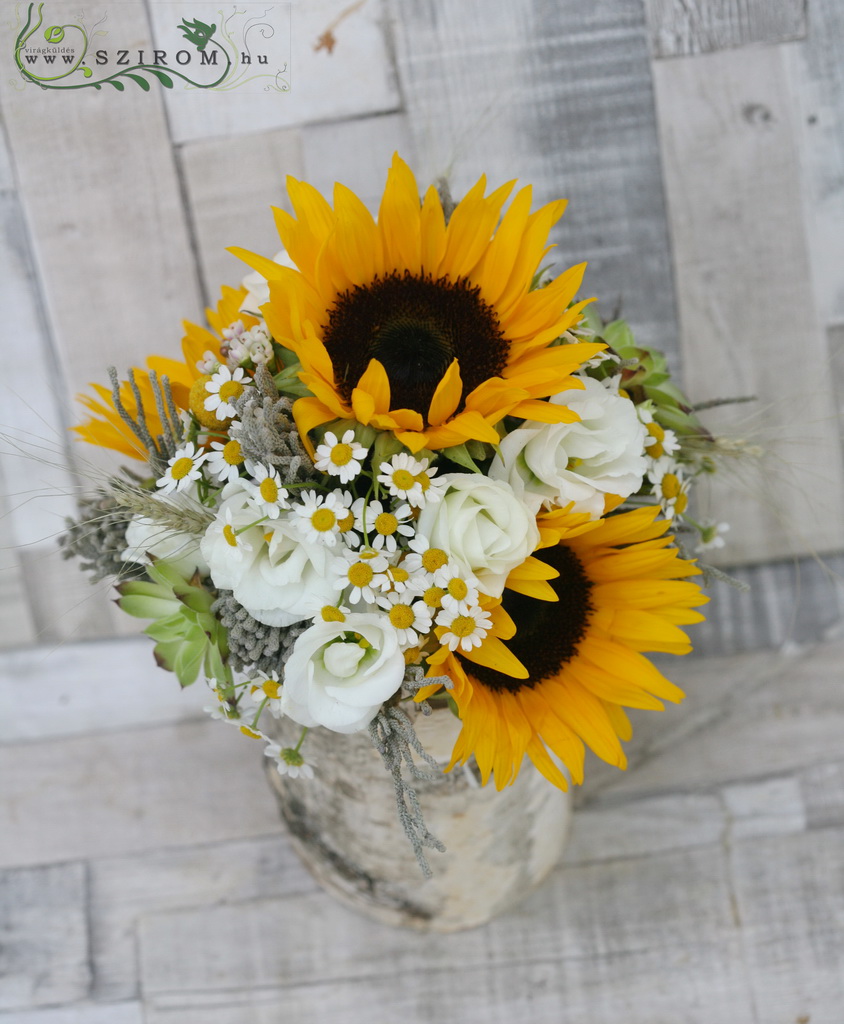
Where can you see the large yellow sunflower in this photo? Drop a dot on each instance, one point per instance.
(107, 429)
(418, 325)
(621, 590)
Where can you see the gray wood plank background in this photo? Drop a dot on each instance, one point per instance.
(699, 145)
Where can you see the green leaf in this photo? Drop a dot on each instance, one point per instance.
(165, 654)
(619, 335)
(170, 628)
(197, 600)
(188, 662)
(117, 85)
(142, 82)
(165, 80)
(143, 588)
(146, 607)
(461, 456)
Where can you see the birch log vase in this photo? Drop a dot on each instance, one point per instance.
(343, 824)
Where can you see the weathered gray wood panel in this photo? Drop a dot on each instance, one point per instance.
(747, 312)
(559, 95)
(682, 27)
(816, 85)
(90, 797)
(225, 214)
(44, 952)
(353, 79)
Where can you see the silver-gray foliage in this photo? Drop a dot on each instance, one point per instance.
(251, 643)
(395, 739)
(267, 432)
(98, 537)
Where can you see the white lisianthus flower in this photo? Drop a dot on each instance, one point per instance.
(286, 577)
(481, 523)
(233, 540)
(582, 462)
(145, 537)
(340, 673)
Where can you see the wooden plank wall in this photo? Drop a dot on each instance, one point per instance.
(700, 146)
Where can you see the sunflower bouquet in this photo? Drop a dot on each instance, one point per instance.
(404, 466)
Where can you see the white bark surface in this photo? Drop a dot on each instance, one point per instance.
(345, 827)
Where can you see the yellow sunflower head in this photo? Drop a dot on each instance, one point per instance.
(621, 589)
(419, 325)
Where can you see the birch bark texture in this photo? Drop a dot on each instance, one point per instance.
(344, 826)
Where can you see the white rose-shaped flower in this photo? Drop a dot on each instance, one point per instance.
(340, 673)
(558, 463)
(287, 571)
(482, 524)
(145, 537)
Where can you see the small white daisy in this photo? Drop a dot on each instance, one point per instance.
(289, 761)
(266, 492)
(362, 571)
(268, 693)
(424, 557)
(658, 440)
(318, 516)
(225, 460)
(400, 477)
(223, 389)
(402, 581)
(410, 619)
(340, 458)
(385, 526)
(460, 588)
(670, 487)
(711, 536)
(234, 539)
(432, 490)
(464, 631)
(182, 470)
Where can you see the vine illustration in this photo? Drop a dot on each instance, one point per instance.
(195, 32)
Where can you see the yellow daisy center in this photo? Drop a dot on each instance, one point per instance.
(231, 389)
(433, 559)
(463, 626)
(402, 616)
(250, 732)
(656, 431)
(670, 485)
(229, 534)
(655, 450)
(330, 613)
(271, 688)
(400, 575)
(412, 655)
(269, 490)
(386, 524)
(181, 467)
(341, 454)
(232, 453)
(681, 504)
(346, 523)
(424, 480)
(323, 520)
(457, 588)
(403, 479)
(360, 574)
(433, 597)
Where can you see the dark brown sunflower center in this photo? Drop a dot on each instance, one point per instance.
(547, 632)
(415, 327)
